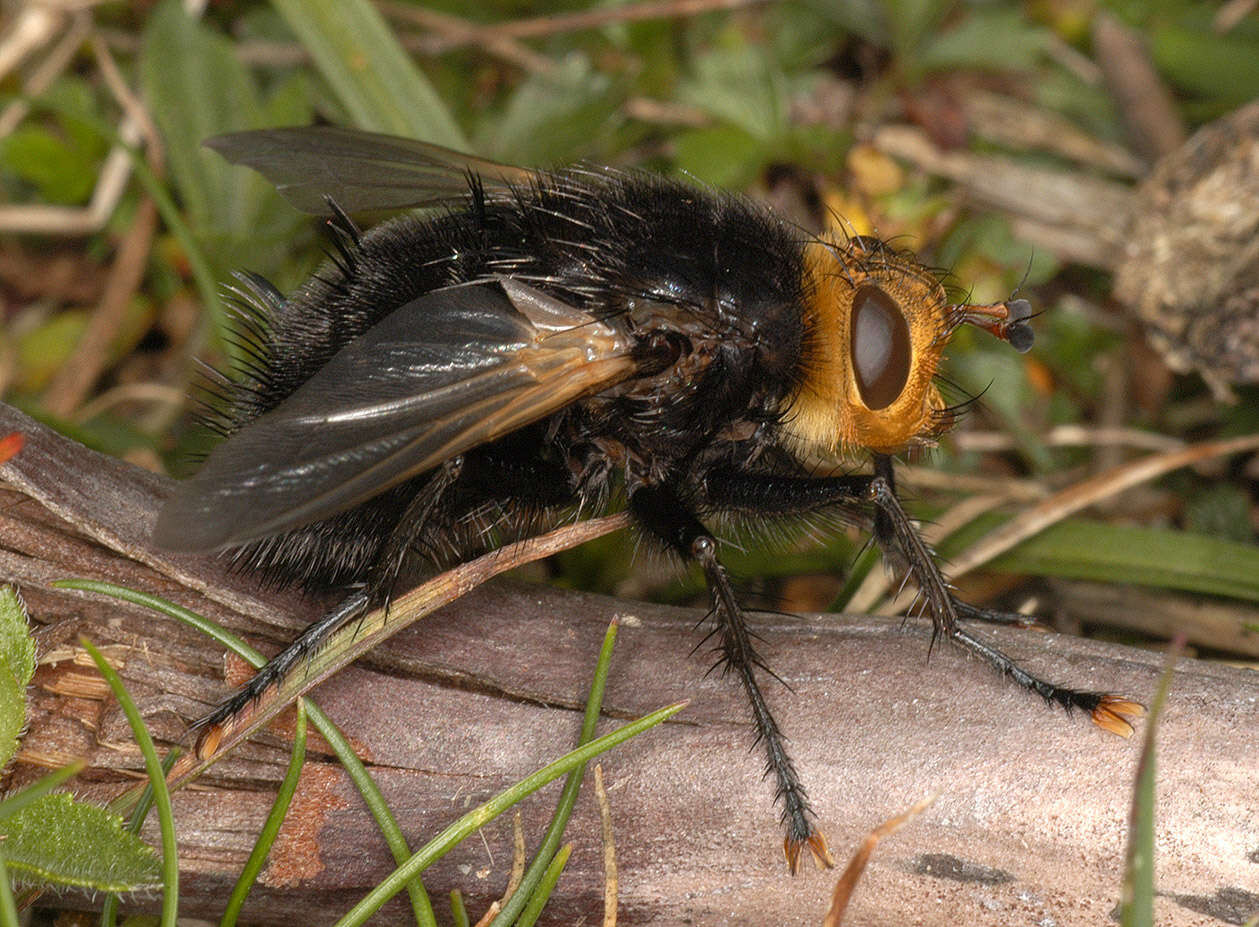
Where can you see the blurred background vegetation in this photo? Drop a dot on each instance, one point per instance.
(117, 230)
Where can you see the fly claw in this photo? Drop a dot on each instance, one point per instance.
(1116, 714)
(816, 842)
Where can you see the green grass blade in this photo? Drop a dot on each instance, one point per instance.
(161, 795)
(372, 796)
(109, 909)
(543, 858)
(8, 909)
(483, 814)
(220, 635)
(1137, 904)
(1079, 548)
(380, 87)
(38, 789)
(145, 804)
(458, 911)
(864, 563)
(271, 827)
(537, 901)
(215, 195)
(421, 906)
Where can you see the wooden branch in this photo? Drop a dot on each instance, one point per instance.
(1144, 101)
(1029, 826)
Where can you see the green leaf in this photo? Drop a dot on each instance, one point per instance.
(43, 350)
(909, 23)
(60, 173)
(866, 18)
(1220, 511)
(1065, 93)
(17, 648)
(1157, 557)
(56, 840)
(724, 156)
(1222, 68)
(17, 666)
(379, 86)
(988, 368)
(62, 158)
(196, 88)
(12, 714)
(998, 40)
(288, 101)
(552, 118)
(804, 40)
(740, 86)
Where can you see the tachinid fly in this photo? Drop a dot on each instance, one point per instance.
(579, 339)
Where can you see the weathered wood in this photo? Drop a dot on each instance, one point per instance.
(1029, 826)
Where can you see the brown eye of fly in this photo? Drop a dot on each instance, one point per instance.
(880, 347)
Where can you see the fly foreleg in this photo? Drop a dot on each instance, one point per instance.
(665, 515)
(897, 535)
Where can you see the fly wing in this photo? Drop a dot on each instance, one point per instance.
(439, 376)
(359, 170)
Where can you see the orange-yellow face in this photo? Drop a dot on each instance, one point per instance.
(876, 325)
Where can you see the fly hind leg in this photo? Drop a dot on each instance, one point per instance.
(209, 727)
(353, 607)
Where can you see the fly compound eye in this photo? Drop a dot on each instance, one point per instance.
(880, 347)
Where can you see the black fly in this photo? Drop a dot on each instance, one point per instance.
(558, 340)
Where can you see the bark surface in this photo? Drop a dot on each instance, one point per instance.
(1029, 827)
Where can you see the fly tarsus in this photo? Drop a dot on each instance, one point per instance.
(209, 730)
(896, 532)
(794, 845)
(738, 655)
(660, 510)
(1114, 713)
